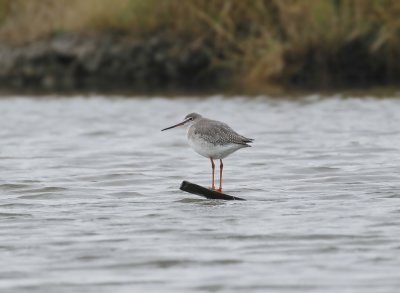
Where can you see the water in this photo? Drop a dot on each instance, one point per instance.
(90, 199)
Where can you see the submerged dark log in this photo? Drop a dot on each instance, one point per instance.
(205, 192)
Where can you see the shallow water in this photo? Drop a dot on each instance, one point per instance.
(90, 198)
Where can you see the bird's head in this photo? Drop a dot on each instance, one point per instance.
(189, 120)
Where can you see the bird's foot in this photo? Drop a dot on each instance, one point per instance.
(219, 190)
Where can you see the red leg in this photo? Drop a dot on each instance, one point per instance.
(221, 166)
(213, 169)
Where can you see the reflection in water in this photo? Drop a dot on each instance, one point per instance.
(90, 197)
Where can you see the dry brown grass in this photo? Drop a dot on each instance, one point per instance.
(257, 37)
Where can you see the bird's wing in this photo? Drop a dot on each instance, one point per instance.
(219, 133)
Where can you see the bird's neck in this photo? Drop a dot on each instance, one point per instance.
(189, 129)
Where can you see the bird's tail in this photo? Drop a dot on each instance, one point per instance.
(246, 141)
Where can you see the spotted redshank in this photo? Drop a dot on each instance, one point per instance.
(212, 139)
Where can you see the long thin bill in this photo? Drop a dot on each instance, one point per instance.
(176, 125)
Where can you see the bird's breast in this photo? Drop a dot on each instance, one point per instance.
(211, 150)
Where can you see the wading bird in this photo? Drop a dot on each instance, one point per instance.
(212, 139)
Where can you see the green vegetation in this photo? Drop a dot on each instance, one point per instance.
(295, 42)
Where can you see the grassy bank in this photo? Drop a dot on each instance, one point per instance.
(285, 42)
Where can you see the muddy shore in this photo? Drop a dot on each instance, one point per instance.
(77, 62)
(118, 63)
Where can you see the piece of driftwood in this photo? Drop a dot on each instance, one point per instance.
(205, 192)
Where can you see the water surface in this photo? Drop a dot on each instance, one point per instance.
(90, 198)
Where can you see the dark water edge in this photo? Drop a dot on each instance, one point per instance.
(273, 93)
(70, 64)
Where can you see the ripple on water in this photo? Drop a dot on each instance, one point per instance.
(13, 215)
(14, 186)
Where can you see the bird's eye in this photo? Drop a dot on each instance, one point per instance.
(190, 118)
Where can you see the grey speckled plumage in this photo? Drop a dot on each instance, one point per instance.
(216, 132)
(212, 139)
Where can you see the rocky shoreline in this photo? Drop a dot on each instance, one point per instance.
(76, 62)
(129, 64)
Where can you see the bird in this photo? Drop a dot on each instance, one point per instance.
(212, 139)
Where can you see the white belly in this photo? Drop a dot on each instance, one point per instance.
(210, 150)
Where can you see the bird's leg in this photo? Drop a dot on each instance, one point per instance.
(213, 169)
(221, 166)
